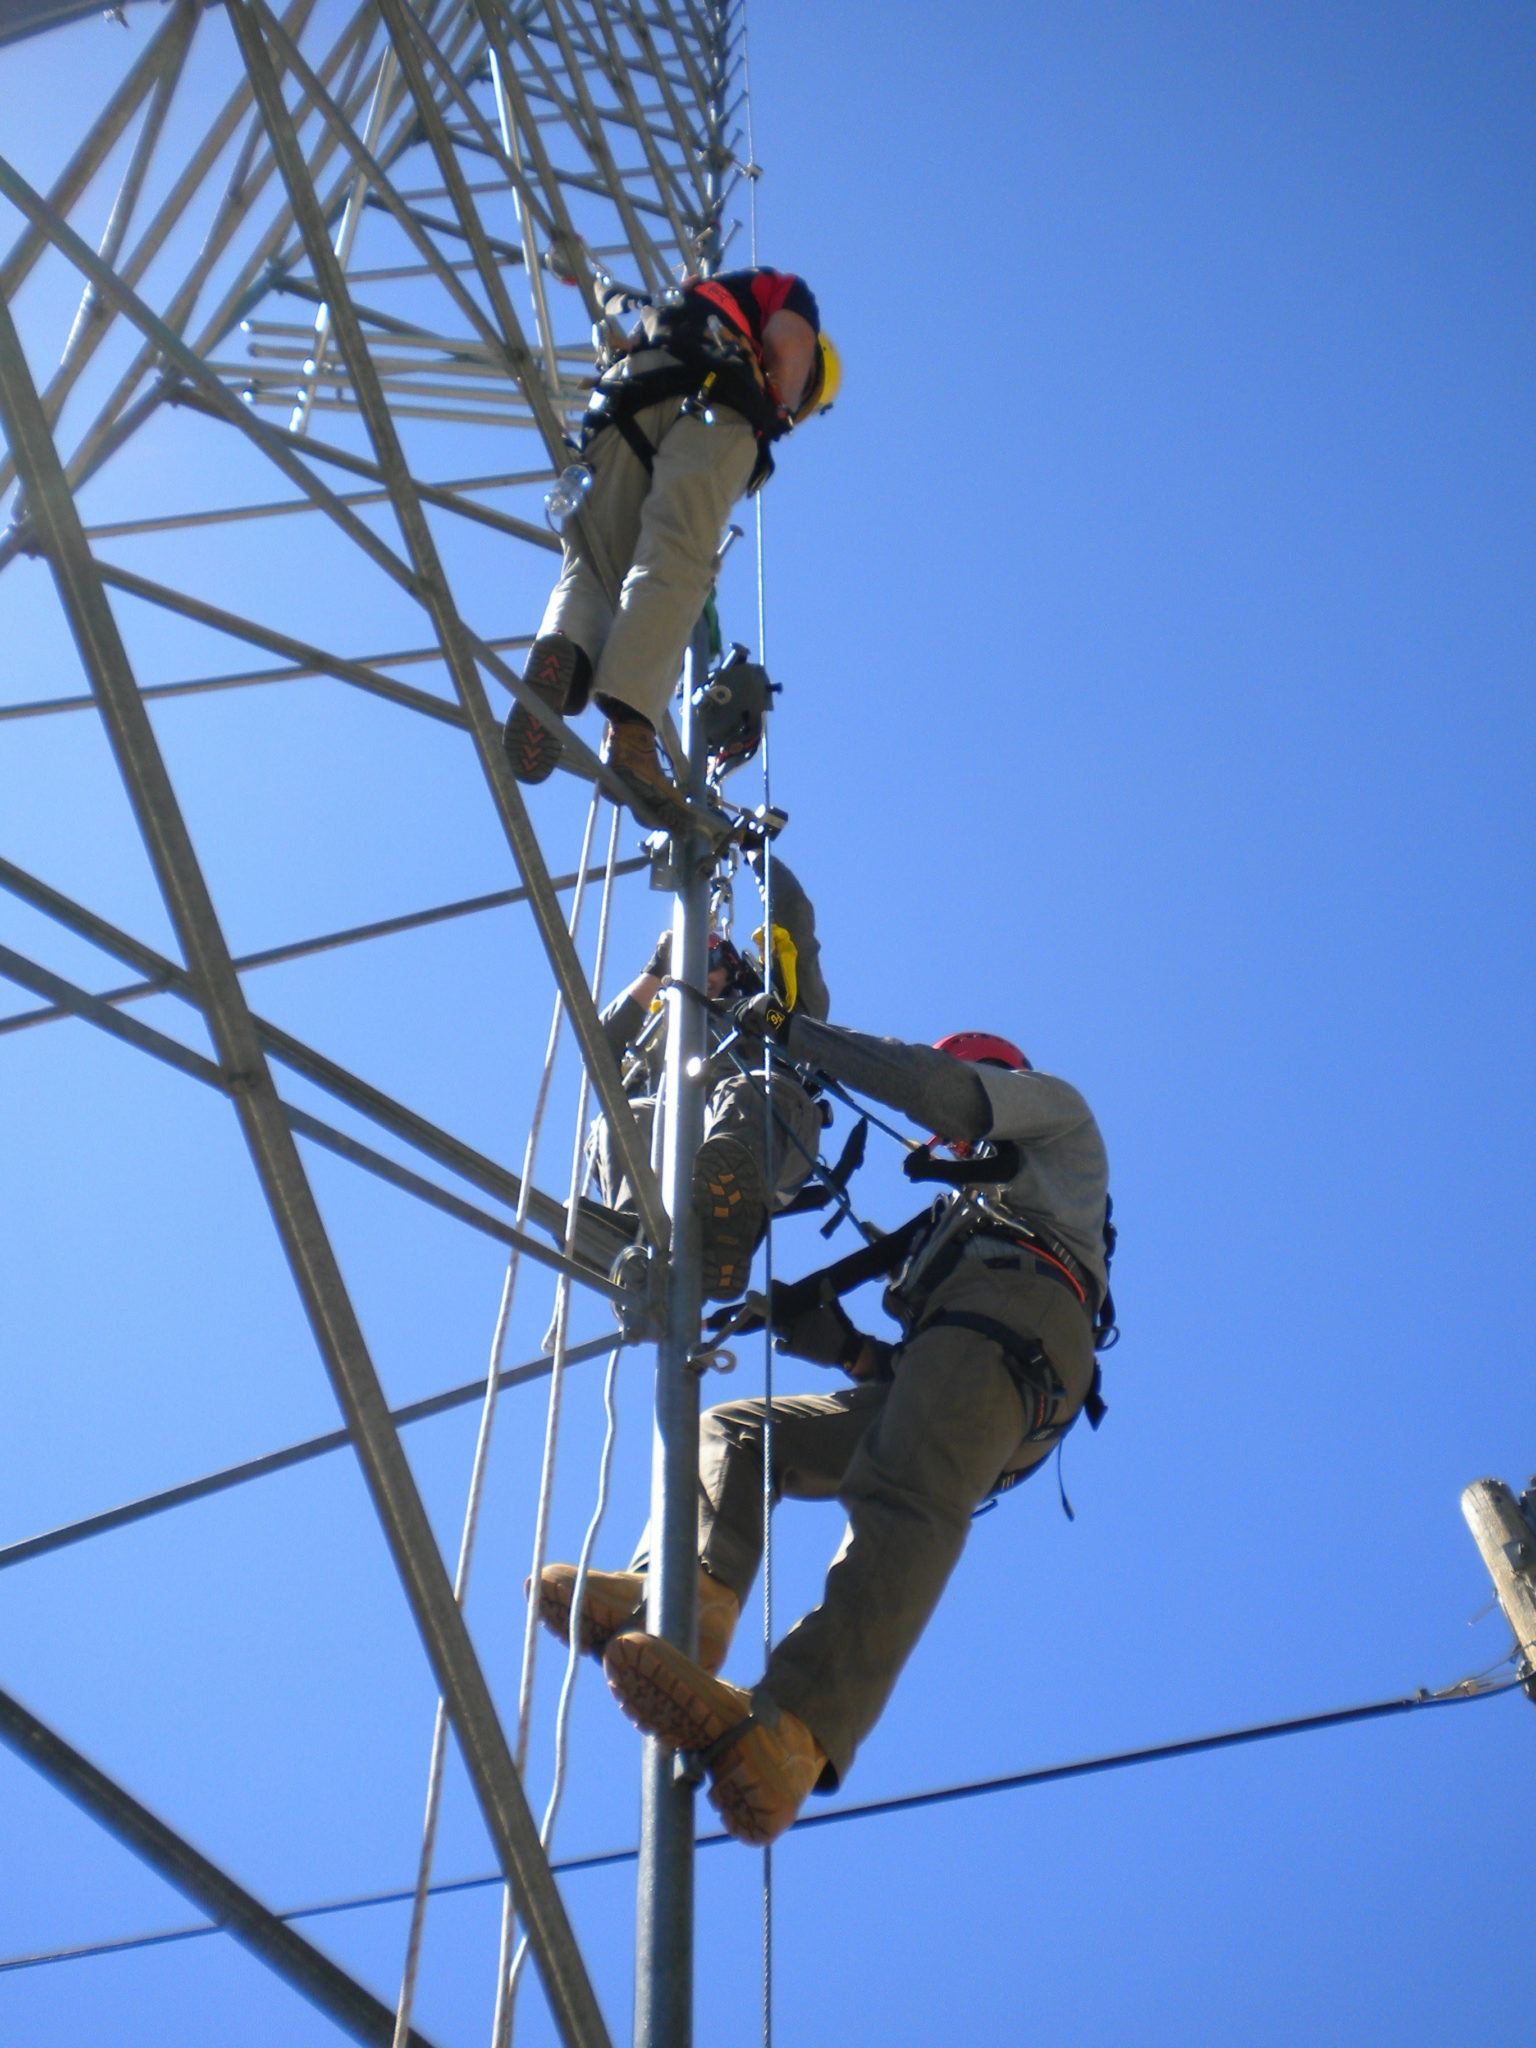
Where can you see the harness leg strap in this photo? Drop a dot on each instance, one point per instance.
(624, 424)
(1028, 1367)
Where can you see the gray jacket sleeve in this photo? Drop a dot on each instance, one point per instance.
(793, 909)
(622, 1023)
(1032, 1108)
(932, 1088)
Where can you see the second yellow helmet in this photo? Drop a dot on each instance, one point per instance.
(826, 383)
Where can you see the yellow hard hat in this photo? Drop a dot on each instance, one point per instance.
(825, 384)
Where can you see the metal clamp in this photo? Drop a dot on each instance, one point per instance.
(636, 1310)
(705, 1358)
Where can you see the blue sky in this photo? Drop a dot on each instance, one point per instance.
(1154, 613)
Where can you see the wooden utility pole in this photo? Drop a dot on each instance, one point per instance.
(1504, 1530)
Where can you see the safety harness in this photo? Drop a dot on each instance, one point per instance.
(717, 360)
(975, 1212)
(923, 1253)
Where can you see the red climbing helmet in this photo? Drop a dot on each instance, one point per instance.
(983, 1049)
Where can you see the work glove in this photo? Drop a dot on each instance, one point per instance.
(823, 1335)
(808, 1320)
(761, 1016)
(660, 962)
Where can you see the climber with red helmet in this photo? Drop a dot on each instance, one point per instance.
(1001, 1290)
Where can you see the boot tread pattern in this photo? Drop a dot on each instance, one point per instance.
(601, 1620)
(534, 751)
(660, 1701)
(728, 1198)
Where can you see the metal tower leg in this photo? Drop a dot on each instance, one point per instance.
(322, 1982)
(291, 1200)
(664, 1900)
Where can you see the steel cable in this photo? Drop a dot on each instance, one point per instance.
(771, 1190)
(573, 1650)
(753, 175)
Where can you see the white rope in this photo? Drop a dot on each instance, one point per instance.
(407, 1997)
(770, 1139)
(573, 1652)
(508, 1967)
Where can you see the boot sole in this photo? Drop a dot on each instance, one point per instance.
(601, 1620)
(731, 1795)
(533, 750)
(728, 1198)
(659, 803)
(658, 1693)
(653, 1685)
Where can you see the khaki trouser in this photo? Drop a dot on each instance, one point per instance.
(735, 1105)
(909, 1460)
(662, 533)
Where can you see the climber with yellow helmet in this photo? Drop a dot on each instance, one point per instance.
(680, 426)
(734, 1182)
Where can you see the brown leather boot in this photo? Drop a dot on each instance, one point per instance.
(615, 1601)
(562, 676)
(632, 755)
(760, 1773)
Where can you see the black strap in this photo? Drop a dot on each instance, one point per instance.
(1000, 1162)
(628, 427)
(712, 1752)
(1095, 1407)
(1039, 1384)
(871, 1260)
(696, 378)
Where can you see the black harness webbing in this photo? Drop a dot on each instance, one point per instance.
(1039, 1389)
(1039, 1386)
(1000, 1162)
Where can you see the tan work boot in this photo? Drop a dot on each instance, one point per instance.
(632, 755)
(759, 1775)
(615, 1601)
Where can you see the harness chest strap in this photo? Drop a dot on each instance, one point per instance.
(713, 365)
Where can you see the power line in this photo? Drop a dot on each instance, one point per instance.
(907, 1802)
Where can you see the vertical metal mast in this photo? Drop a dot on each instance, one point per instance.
(350, 236)
(664, 1892)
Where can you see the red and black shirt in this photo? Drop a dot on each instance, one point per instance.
(750, 298)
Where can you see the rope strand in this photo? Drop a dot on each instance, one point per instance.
(508, 1967)
(438, 1757)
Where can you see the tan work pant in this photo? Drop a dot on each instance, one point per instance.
(662, 532)
(909, 1460)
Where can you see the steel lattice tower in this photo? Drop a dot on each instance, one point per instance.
(313, 315)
